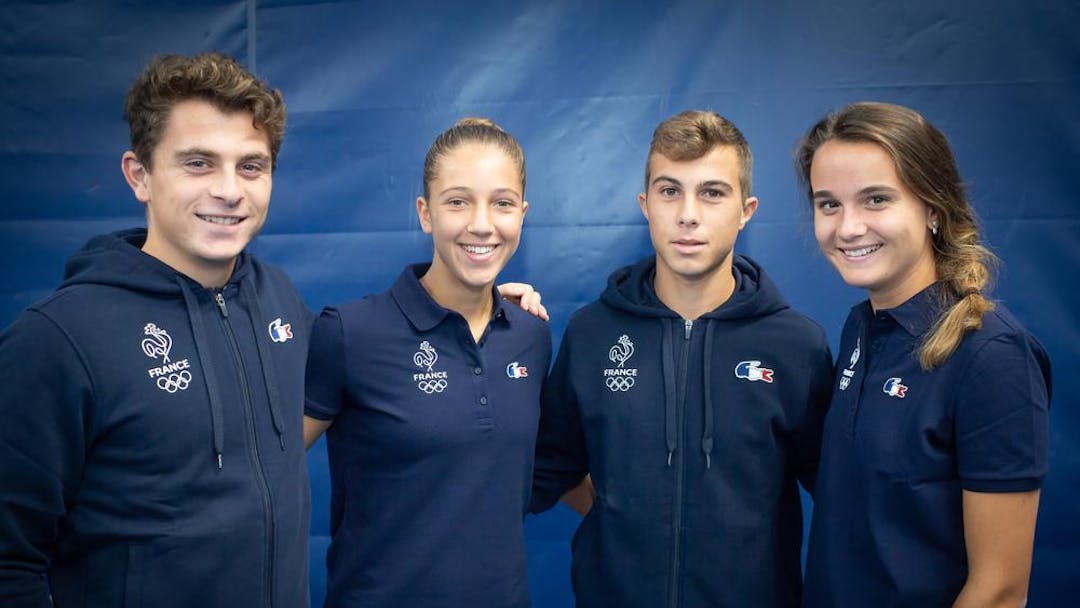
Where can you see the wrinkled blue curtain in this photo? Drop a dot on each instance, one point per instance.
(581, 84)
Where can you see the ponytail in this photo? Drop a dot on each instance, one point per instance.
(964, 267)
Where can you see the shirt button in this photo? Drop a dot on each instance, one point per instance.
(877, 344)
(477, 371)
(483, 400)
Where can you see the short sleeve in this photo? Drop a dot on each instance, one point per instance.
(1002, 416)
(325, 376)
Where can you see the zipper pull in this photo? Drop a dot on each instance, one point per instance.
(689, 325)
(220, 299)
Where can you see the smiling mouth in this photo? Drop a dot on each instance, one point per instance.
(478, 249)
(861, 252)
(221, 220)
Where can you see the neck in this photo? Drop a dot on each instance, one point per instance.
(919, 279)
(473, 304)
(692, 297)
(210, 276)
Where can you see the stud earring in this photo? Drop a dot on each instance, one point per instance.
(933, 228)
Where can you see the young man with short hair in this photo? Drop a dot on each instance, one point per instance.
(151, 452)
(693, 396)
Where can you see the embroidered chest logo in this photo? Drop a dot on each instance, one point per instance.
(429, 381)
(171, 376)
(847, 374)
(280, 332)
(894, 388)
(620, 378)
(752, 371)
(516, 371)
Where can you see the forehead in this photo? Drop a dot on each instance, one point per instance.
(857, 164)
(195, 123)
(478, 164)
(719, 164)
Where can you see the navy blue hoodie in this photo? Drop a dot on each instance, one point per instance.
(151, 451)
(695, 433)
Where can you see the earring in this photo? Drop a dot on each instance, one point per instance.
(933, 228)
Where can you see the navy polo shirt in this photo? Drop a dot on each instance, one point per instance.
(431, 448)
(901, 443)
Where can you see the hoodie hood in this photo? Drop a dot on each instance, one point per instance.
(117, 259)
(630, 289)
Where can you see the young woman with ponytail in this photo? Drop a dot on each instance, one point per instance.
(429, 394)
(935, 443)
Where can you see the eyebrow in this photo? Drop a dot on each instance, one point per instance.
(466, 189)
(211, 154)
(719, 184)
(195, 152)
(864, 192)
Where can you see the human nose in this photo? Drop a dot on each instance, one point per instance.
(689, 212)
(480, 222)
(226, 187)
(852, 225)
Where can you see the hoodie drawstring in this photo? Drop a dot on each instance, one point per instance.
(670, 423)
(265, 362)
(208, 367)
(707, 436)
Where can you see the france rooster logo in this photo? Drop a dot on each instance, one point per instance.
(855, 354)
(158, 344)
(623, 350)
(894, 388)
(426, 356)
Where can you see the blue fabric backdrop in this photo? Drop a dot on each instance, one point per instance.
(581, 84)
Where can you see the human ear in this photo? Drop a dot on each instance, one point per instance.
(423, 211)
(135, 174)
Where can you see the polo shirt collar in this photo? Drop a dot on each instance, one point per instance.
(422, 311)
(917, 315)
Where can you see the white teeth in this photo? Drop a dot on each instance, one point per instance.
(858, 253)
(479, 249)
(224, 221)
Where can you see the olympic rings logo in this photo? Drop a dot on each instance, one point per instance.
(174, 382)
(619, 383)
(432, 386)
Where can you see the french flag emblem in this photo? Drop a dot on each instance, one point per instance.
(894, 388)
(280, 332)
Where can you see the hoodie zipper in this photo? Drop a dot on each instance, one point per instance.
(260, 478)
(680, 461)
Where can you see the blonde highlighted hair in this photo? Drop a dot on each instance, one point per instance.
(925, 165)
